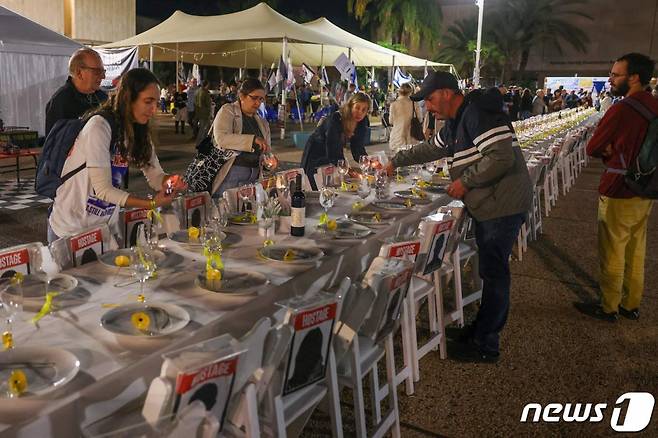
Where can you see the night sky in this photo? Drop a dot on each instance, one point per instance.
(298, 10)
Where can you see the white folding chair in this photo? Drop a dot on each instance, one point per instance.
(83, 247)
(367, 349)
(325, 175)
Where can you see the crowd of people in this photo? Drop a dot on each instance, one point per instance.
(474, 132)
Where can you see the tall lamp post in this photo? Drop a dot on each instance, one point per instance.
(476, 69)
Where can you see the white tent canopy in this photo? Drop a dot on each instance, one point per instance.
(252, 37)
(33, 64)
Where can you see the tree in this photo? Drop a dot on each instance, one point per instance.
(536, 22)
(407, 22)
(458, 48)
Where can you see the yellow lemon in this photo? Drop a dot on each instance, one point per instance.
(331, 224)
(122, 261)
(193, 233)
(357, 206)
(140, 320)
(17, 382)
(289, 255)
(7, 340)
(213, 274)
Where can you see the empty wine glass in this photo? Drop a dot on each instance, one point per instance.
(220, 212)
(364, 163)
(343, 168)
(327, 196)
(143, 265)
(363, 191)
(431, 167)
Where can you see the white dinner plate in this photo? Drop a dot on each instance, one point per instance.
(108, 258)
(182, 236)
(233, 282)
(350, 230)
(34, 285)
(46, 369)
(163, 319)
(368, 218)
(276, 253)
(390, 205)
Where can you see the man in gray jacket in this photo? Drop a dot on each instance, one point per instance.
(489, 174)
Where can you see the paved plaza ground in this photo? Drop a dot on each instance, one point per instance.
(550, 352)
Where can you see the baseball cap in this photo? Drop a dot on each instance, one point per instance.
(435, 80)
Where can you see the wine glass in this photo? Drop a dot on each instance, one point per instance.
(327, 196)
(364, 163)
(269, 161)
(143, 265)
(220, 212)
(11, 305)
(363, 190)
(343, 168)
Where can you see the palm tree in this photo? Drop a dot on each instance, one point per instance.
(535, 22)
(459, 43)
(406, 22)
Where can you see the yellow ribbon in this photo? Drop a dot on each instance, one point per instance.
(153, 213)
(7, 340)
(47, 306)
(213, 260)
(324, 217)
(399, 178)
(358, 205)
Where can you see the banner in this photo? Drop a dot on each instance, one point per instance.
(400, 78)
(117, 62)
(344, 67)
(324, 77)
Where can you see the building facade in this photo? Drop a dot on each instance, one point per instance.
(90, 22)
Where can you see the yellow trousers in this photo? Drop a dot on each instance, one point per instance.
(622, 246)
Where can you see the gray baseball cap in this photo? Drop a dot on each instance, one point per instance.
(435, 80)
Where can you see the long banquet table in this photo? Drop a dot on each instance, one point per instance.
(115, 372)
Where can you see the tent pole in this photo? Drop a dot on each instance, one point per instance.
(282, 109)
(321, 69)
(390, 74)
(260, 77)
(151, 57)
(245, 60)
(372, 75)
(425, 69)
(177, 67)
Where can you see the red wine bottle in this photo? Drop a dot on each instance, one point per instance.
(298, 209)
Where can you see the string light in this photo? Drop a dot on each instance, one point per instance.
(199, 55)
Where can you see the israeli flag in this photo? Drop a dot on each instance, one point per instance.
(353, 78)
(400, 78)
(309, 74)
(290, 78)
(324, 77)
(281, 71)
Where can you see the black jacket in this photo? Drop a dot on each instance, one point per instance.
(325, 145)
(69, 103)
(482, 150)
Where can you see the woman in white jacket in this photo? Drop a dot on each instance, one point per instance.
(93, 193)
(400, 116)
(243, 135)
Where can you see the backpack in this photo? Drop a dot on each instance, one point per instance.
(55, 151)
(641, 176)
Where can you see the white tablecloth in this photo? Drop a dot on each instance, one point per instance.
(115, 371)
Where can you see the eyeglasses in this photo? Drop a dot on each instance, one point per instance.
(96, 70)
(256, 98)
(616, 75)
